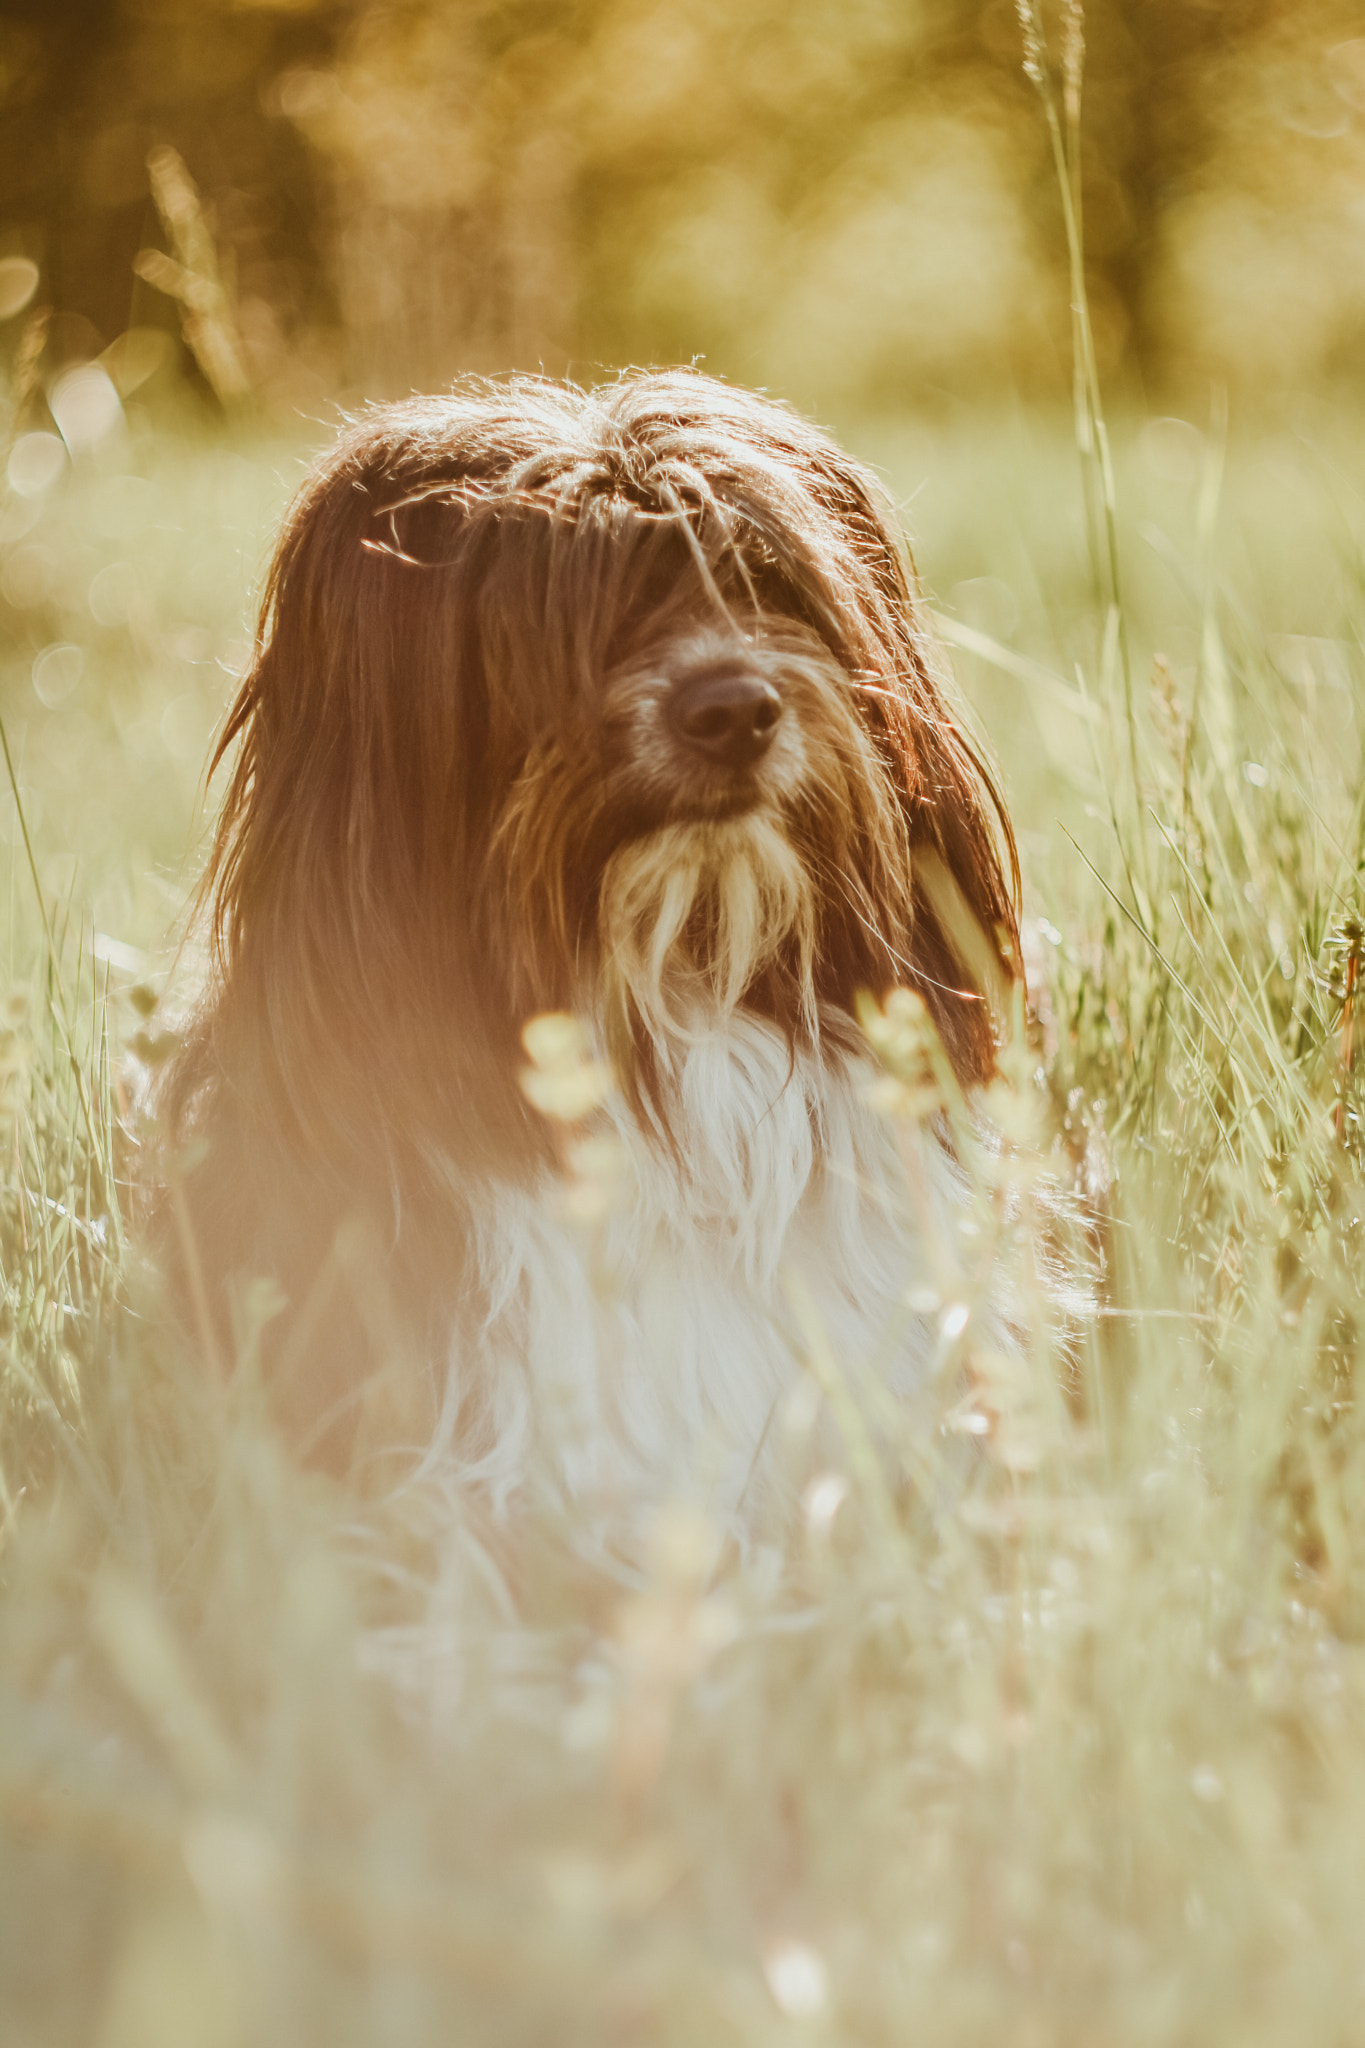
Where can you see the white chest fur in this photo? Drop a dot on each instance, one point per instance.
(648, 1356)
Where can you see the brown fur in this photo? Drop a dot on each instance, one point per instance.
(444, 750)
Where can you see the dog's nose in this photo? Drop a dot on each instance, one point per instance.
(730, 717)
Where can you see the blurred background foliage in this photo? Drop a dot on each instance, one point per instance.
(848, 200)
(1091, 1768)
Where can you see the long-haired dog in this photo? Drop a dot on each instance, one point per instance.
(615, 703)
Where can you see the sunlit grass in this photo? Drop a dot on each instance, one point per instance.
(1047, 1727)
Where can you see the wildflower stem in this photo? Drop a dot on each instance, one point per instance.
(1092, 432)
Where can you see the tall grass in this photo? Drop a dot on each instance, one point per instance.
(1056, 1739)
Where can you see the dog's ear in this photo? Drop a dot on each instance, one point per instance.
(348, 1008)
(352, 705)
(964, 941)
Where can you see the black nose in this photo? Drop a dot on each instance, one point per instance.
(730, 717)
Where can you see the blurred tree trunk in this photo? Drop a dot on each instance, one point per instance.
(1151, 94)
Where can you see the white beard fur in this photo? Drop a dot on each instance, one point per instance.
(606, 1370)
(648, 1359)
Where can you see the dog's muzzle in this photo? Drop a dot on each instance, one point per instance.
(728, 715)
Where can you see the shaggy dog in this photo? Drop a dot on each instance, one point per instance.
(619, 704)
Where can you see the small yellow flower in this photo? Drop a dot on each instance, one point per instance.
(563, 1080)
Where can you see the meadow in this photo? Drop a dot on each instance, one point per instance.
(1048, 1724)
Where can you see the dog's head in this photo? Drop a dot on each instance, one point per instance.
(618, 702)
